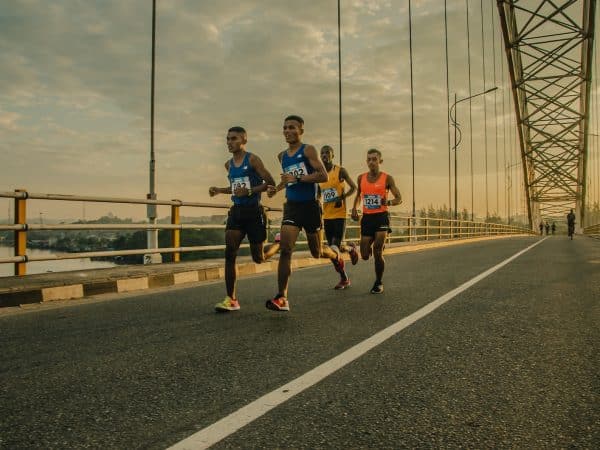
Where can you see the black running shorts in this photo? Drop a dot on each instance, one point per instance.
(334, 230)
(373, 223)
(305, 215)
(250, 220)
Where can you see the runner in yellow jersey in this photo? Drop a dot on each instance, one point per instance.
(333, 195)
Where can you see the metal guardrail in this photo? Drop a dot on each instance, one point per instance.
(403, 228)
(592, 231)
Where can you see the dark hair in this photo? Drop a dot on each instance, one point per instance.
(327, 148)
(296, 118)
(374, 150)
(237, 129)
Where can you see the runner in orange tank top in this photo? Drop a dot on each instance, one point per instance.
(373, 188)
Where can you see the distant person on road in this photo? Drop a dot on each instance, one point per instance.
(553, 228)
(547, 228)
(373, 188)
(302, 171)
(333, 194)
(571, 223)
(542, 228)
(248, 177)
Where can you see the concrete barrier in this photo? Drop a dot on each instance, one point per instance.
(66, 287)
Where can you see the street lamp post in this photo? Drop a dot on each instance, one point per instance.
(457, 140)
(152, 235)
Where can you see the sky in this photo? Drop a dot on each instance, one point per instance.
(75, 96)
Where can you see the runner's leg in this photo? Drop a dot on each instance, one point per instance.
(289, 235)
(378, 244)
(365, 247)
(233, 239)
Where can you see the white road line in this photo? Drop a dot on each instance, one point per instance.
(243, 416)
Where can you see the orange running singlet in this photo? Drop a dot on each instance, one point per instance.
(374, 195)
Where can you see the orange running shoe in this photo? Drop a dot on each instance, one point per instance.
(279, 303)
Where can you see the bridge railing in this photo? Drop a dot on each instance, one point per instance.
(592, 231)
(403, 228)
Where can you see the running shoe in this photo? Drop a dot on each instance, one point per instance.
(229, 304)
(277, 237)
(279, 303)
(343, 284)
(353, 253)
(377, 288)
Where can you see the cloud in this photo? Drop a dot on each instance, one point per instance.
(76, 88)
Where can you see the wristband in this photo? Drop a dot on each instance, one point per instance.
(250, 192)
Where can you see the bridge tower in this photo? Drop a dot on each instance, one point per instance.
(549, 49)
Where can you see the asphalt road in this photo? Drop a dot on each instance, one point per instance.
(510, 362)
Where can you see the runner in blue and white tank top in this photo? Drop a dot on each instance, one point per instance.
(247, 179)
(244, 176)
(302, 171)
(298, 165)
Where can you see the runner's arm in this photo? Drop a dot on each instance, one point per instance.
(261, 170)
(354, 212)
(214, 190)
(273, 189)
(391, 185)
(345, 177)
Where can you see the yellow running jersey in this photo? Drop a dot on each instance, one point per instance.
(331, 190)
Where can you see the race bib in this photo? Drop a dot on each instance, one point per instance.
(329, 195)
(297, 170)
(241, 182)
(372, 201)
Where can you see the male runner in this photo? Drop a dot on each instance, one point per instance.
(302, 170)
(248, 177)
(373, 187)
(571, 223)
(333, 194)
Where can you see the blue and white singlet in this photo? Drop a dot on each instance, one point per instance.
(298, 165)
(244, 175)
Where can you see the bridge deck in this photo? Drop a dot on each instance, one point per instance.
(511, 361)
(34, 289)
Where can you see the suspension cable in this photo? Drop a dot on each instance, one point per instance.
(487, 206)
(507, 179)
(597, 153)
(470, 112)
(495, 116)
(448, 105)
(339, 24)
(412, 108)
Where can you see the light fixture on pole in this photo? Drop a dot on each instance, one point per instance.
(457, 140)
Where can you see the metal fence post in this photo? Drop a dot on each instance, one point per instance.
(176, 233)
(21, 235)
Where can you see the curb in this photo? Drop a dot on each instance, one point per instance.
(24, 296)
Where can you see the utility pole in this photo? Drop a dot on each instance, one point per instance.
(152, 235)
